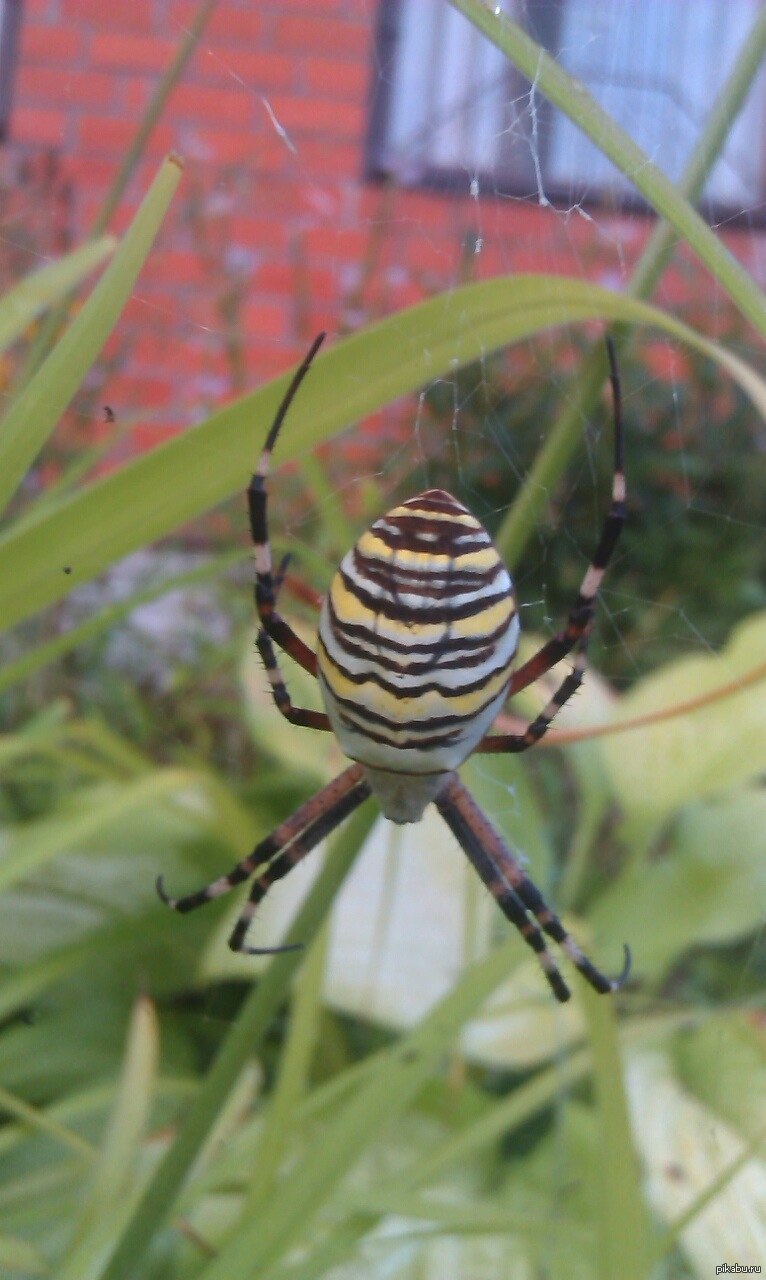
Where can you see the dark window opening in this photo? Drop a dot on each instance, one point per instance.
(10, 21)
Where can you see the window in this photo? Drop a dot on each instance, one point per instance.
(10, 19)
(448, 108)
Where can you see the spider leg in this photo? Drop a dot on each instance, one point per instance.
(321, 813)
(271, 621)
(581, 616)
(296, 715)
(288, 857)
(515, 742)
(268, 583)
(518, 898)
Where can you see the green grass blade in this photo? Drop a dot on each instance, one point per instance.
(38, 842)
(163, 89)
(294, 1064)
(258, 1246)
(165, 85)
(670, 1238)
(25, 301)
(36, 410)
(186, 476)
(18, 1257)
(621, 1220)
(33, 659)
(39, 1121)
(573, 99)
(104, 1207)
(242, 1042)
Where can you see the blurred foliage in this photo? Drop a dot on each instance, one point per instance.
(692, 557)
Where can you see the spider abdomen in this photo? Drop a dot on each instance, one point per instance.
(416, 638)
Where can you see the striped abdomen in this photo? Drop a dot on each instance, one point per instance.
(416, 638)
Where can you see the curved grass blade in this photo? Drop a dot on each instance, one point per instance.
(188, 475)
(26, 300)
(36, 410)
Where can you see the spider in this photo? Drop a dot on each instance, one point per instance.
(415, 646)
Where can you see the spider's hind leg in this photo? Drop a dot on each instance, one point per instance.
(518, 898)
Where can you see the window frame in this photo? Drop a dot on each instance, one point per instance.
(518, 181)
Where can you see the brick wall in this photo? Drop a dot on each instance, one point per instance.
(274, 233)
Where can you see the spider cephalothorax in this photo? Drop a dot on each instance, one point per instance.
(415, 647)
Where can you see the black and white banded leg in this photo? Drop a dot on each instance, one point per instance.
(518, 898)
(273, 627)
(576, 634)
(279, 852)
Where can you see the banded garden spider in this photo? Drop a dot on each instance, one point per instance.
(415, 646)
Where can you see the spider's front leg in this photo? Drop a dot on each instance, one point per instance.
(576, 634)
(274, 628)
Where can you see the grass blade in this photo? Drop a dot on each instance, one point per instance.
(105, 1205)
(242, 1042)
(36, 410)
(186, 476)
(24, 302)
(622, 1221)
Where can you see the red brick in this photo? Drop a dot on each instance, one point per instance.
(286, 278)
(132, 53)
(226, 25)
(136, 92)
(148, 391)
(322, 35)
(218, 106)
(59, 45)
(266, 320)
(48, 128)
(40, 10)
(105, 133)
(340, 160)
(258, 234)
(137, 16)
(334, 242)
(254, 71)
(341, 119)
(148, 436)
(337, 79)
(178, 267)
(82, 88)
(235, 146)
(82, 170)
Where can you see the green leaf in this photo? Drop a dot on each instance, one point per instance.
(17, 1256)
(708, 886)
(188, 475)
(24, 302)
(657, 769)
(35, 412)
